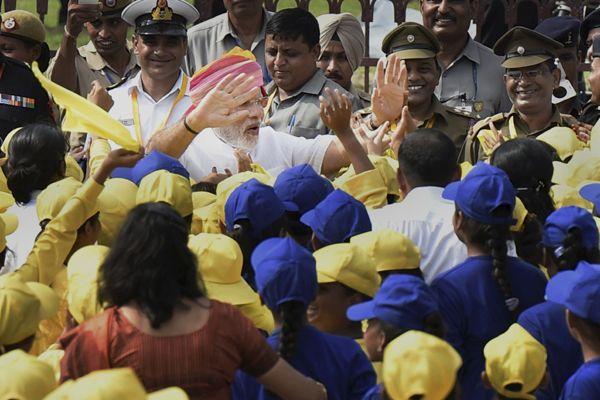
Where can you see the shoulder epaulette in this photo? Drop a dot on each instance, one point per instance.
(459, 111)
(484, 122)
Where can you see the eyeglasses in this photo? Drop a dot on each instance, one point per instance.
(519, 75)
(260, 102)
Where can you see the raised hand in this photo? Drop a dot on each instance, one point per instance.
(117, 158)
(216, 177)
(405, 126)
(492, 143)
(79, 14)
(336, 111)
(374, 142)
(243, 159)
(100, 97)
(391, 93)
(220, 106)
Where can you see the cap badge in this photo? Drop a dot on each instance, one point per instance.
(410, 38)
(521, 50)
(162, 11)
(10, 24)
(110, 3)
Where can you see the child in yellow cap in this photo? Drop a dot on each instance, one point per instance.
(346, 276)
(25, 377)
(515, 364)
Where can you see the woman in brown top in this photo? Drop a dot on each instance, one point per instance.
(161, 324)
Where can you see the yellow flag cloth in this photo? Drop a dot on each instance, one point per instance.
(84, 116)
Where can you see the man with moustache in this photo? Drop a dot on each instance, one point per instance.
(107, 57)
(471, 74)
(243, 25)
(342, 49)
(417, 46)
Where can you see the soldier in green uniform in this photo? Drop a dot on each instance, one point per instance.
(417, 46)
(530, 78)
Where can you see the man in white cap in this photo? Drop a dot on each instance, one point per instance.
(158, 95)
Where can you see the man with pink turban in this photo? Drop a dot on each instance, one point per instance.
(201, 148)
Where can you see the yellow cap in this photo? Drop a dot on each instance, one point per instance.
(389, 250)
(206, 220)
(115, 202)
(220, 262)
(417, 363)
(8, 222)
(111, 384)
(563, 140)
(515, 357)
(51, 200)
(259, 314)
(53, 356)
(203, 199)
(24, 377)
(24, 305)
(584, 165)
(82, 276)
(387, 168)
(23, 24)
(225, 187)
(347, 264)
(163, 186)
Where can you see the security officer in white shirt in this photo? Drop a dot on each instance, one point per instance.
(159, 95)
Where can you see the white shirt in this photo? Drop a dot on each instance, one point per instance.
(274, 151)
(21, 241)
(426, 218)
(152, 113)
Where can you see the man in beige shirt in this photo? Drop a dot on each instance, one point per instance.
(291, 52)
(243, 25)
(107, 57)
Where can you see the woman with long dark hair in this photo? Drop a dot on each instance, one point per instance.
(481, 297)
(36, 158)
(160, 323)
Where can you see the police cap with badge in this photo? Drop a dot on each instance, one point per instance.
(160, 17)
(113, 7)
(411, 41)
(522, 47)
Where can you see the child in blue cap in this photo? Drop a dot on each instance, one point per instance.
(300, 189)
(591, 192)
(403, 303)
(579, 292)
(481, 297)
(570, 236)
(336, 219)
(286, 278)
(253, 213)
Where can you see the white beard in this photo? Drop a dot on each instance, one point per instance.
(234, 136)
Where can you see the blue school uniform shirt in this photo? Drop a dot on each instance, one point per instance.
(547, 324)
(374, 393)
(585, 383)
(473, 308)
(335, 361)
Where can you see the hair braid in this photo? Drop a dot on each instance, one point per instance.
(292, 315)
(497, 235)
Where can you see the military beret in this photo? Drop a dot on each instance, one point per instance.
(563, 29)
(23, 25)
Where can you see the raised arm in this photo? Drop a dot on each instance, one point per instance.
(63, 70)
(218, 108)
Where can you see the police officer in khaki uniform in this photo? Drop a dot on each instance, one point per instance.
(417, 46)
(530, 79)
(23, 37)
(107, 57)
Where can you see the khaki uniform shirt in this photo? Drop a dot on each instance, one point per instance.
(91, 66)
(299, 114)
(364, 99)
(502, 122)
(474, 82)
(211, 39)
(455, 123)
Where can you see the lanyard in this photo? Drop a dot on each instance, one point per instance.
(136, 109)
(267, 108)
(474, 71)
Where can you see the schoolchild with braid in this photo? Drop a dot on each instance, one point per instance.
(286, 278)
(481, 297)
(570, 236)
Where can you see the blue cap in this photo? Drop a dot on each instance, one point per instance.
(563, 29)
(255, 202)
(123, 173)
(561, 221)
(300, 188)
(578, 291)
(403, 301)
(337, 218)
(591, 192)
(481, 192)
(284, 271)
(156, 161)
